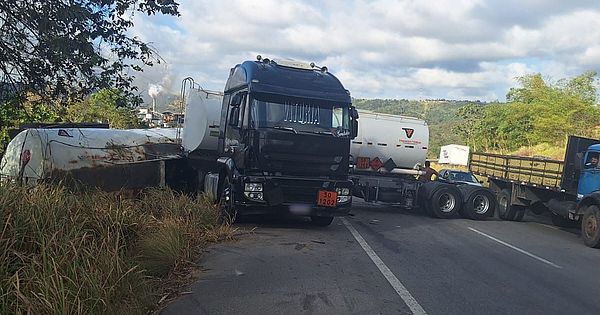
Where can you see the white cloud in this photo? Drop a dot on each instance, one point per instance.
(384, 48)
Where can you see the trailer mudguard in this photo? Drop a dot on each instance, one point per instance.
(590, 199)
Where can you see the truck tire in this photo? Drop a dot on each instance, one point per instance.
(424, 195)
(506, 211)
(226, 202)
(590, 227)
(519, 213)
(201, 176)
(321, 221)
(445, 202)
(560, 221)
(479, 203)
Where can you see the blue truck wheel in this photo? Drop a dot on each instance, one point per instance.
(590, 227)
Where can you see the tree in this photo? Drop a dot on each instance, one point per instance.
(539, 112)
(470, 116)
(104, 106)
(62, 49)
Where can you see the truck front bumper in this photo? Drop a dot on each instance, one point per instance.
(295, 195)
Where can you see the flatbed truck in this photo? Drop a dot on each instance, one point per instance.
(569, 189)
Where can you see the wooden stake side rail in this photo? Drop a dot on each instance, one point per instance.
(536, 172)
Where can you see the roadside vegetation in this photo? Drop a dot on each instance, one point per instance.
(538, 116)
(96, 252)
(535, 120)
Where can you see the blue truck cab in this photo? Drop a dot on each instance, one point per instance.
(589, 179)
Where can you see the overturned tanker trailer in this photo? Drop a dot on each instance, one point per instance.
(109, 159)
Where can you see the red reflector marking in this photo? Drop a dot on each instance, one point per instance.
(63, 133)
(376, 163)
(25, 157)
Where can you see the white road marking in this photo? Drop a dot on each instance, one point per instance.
(410, 301)
(522, 251)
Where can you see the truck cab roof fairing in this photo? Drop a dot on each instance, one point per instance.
(237, 78)
(272, 78)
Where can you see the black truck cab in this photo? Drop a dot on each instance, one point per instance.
(284, 140)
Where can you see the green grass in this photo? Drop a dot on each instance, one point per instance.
(96, 252)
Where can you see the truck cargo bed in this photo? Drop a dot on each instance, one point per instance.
(536, 172)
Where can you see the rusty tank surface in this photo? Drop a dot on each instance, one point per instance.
(109, 159)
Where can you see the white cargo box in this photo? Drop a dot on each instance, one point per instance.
(454, 154)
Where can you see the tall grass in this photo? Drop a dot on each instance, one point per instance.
(95, 252)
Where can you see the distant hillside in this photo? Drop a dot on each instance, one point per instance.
(441, 115)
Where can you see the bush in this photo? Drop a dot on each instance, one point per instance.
(93, 252)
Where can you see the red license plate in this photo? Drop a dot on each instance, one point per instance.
(327, 198)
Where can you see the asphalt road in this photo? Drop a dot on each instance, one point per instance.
(384, 260)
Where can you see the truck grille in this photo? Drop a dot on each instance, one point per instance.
(297, 164)
(300, 191)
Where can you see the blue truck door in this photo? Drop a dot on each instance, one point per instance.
(589, 180)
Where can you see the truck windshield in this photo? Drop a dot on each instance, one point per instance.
(462, 177)
(300, 116)
(592, 160)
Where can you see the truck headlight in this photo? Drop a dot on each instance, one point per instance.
(343, 199)
(258, 196)
(253, 187)
(343, 191)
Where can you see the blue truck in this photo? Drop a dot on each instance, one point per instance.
(569, 190)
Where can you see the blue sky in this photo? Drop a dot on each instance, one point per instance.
(460, 49)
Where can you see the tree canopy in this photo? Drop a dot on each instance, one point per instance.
(539, 112)
(59, 49)
(103, 107)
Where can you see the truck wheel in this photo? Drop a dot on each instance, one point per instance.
(506, 211)
(445, 202)
(228, 213)
(321, 221)
(480, 204)
(590, 227)
(519, 213)
(424, 195)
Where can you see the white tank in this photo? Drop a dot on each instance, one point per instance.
(202, 118)
(38, 152)
(384, 136)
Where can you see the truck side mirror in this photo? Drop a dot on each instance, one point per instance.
(353, 113)
(353, 122)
